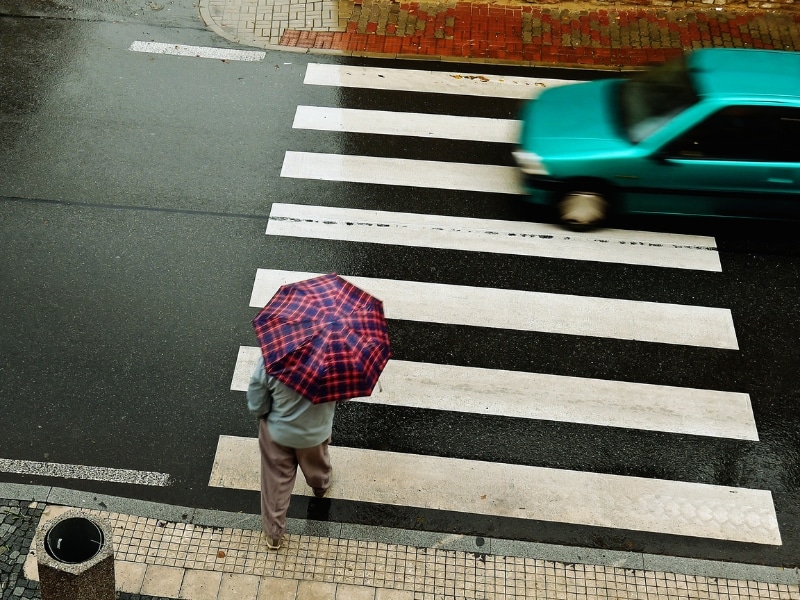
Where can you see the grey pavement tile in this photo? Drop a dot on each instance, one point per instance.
(102, 502)
(708, 568)
(568, 554)
(309, 527)
(409, 537)
(218, 518)
(15, 491)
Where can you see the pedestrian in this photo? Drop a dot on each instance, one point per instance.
(292, 432)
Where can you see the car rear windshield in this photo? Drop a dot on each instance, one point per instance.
(650, 99)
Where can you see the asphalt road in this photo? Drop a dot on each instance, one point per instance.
(134, 195)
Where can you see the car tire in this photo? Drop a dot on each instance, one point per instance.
(582, 210)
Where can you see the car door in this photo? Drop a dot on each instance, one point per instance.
(739, 161)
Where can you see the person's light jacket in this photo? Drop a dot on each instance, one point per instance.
(292, 419)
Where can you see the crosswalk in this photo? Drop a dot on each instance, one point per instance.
(502, 490)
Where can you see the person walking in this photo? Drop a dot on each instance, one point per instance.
(292, 432)
(323, 341)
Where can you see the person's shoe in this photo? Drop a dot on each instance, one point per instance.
(274, 543)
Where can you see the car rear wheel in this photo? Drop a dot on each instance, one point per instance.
(582, 210)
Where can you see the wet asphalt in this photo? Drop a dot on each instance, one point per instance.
(134, 195)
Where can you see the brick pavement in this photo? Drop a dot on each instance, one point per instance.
(621, 37)
(522, 33)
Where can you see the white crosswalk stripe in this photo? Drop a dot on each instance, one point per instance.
(435, 82)
(197, 51)
(531, 311)
(423, 125)
(525, 395)
(503, 237)
(523, 492)
(494, 179)
(498, 489)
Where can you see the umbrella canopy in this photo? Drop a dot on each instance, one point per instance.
(324, 338)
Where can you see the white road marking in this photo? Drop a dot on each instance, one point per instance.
(501, 237)
(524, 395)
(424, 125)
(401, 171)
(524, 492)
(436, 82)
(531, 311)
(46, 469)
(197, 51)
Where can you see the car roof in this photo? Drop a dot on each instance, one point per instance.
(771, 74)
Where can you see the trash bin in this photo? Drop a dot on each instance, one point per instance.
(76, 558)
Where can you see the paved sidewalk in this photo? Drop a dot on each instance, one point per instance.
(170, 552)
(535, 34)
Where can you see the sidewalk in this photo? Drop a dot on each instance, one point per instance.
(174, 552)
(529, 34)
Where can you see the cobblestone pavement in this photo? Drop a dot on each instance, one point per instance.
(18, 522)
(521, 34)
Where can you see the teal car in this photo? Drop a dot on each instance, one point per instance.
(715, 133)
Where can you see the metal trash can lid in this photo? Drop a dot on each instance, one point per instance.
(74, 540)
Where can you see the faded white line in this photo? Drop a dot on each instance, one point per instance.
(522, 395)
(47, 469)
(435, 82)
(404, 172)
(525, 492)
(532, 311)
(502, 237)
(197, 51)
(425, 125)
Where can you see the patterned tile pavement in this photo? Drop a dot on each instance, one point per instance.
(480, 31)
(155, 558)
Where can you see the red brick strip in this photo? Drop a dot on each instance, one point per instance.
(522, 33)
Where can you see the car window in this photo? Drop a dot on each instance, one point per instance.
(651, 99)
(743, 133)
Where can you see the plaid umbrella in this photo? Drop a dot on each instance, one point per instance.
(324, 338)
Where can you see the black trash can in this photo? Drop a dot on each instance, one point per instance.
(75, 556)
(74, 540)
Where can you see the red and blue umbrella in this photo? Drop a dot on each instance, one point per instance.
(324, 338)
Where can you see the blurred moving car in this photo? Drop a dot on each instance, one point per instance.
(716, 132)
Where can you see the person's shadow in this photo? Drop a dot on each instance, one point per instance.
(319, 509)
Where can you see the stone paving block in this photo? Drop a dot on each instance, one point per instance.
(200, 585)
(355, 592)
(271, 588)
(162, 581)
(129, 576)
(390, 594)
(238, 587)
(316, 590)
